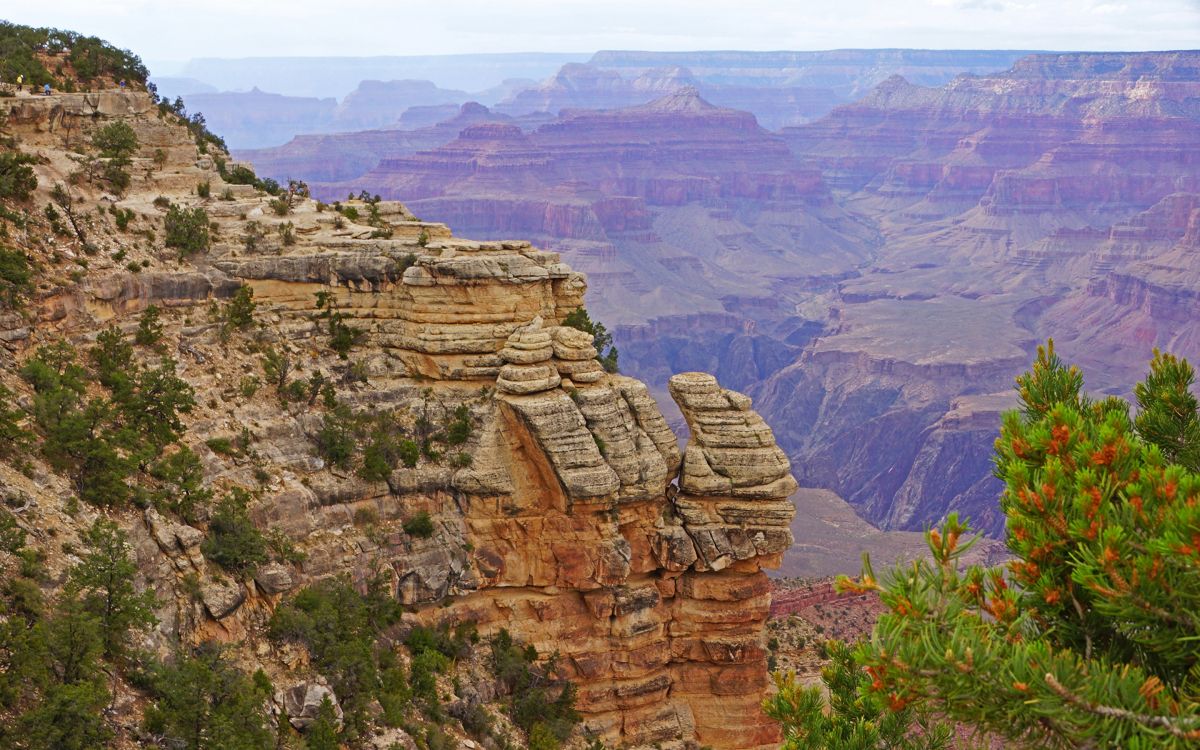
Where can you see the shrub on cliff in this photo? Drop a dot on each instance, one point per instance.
(1090, 637)
(335, 438)
(458, 431)
(322, 734)
(150, 328)
(116, 141)
(339, 627)
(342, 336)
(104, 583)
(385, 449)
(233, 541)
(243, 175)
(420, 526)
(186, 230)
(13, 435)
(540, 702)
(17, 180)
(99, 440)
(236, 314)
(52, 672)
(16, 277)
(182, 490)
(433, 651)
(202, 700)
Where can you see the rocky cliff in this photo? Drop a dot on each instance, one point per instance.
(1051, 199)
(886, 278)
(566, 514)
(672, 207)
(848, 72)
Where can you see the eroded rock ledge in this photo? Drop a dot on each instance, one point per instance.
(578, 526)
(576, 523)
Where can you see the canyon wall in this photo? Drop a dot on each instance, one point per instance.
(567, 528)
(661, 203)
(1049, 200)
(567, 514)
(877, 288)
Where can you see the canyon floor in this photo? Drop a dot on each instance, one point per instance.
(830, 540)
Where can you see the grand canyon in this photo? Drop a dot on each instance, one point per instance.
(874, 271)
(484, 401)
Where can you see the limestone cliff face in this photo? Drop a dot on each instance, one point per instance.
(577, 525)
(567, 515)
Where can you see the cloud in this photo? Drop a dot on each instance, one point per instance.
(995, 5)
(180, 29)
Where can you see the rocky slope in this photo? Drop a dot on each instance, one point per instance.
(567, 515)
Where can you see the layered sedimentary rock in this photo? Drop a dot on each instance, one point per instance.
(1053, 132)
(677, 190)
(586, 86)
(849, 72)
(780, 89)
(1051, 199)
(331, 157)
(562, 511)
(256, 119)
(700, 143)
(582, 86)
(566, 527)
(877, 290)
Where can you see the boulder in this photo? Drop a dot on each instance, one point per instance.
(302, 702)
(274, 578)
(221, 599)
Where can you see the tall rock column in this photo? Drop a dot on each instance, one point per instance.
(733, 504)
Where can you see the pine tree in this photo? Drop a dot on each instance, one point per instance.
(150, 327)
(857, 719)
(322, 734)
(14, 438)
(1090, 637)
(234, 542)
(203, 702)
(1167, 411)
(104, 580)
(183, 491)
(69, 717)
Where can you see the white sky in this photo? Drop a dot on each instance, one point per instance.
(167, 30)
